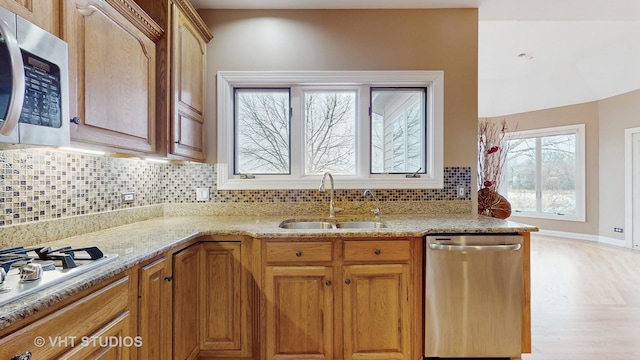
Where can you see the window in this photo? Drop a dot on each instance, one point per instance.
(329, 132)
(398, 140)
(546, 173)
(284, 130)
(262, 131)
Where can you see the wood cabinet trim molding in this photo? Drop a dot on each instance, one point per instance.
(138, 17)
(197, 21)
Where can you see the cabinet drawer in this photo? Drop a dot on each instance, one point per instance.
(62, 330)
(294, 251)
(377, 250)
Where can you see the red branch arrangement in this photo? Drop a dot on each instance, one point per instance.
(492, 153)
(492, 157)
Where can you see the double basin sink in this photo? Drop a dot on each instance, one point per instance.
(309, 225)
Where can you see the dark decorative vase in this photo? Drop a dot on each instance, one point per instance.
(490, 203)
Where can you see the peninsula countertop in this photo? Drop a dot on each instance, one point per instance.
(137, 242)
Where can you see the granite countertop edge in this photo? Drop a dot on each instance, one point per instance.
(141, 241)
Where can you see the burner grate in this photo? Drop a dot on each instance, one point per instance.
(66, 255)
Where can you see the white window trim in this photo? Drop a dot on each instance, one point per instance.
(579, 130)
(434, 80)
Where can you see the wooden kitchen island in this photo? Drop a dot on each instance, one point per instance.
(229, 287)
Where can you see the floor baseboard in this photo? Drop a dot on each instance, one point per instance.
(586, 237)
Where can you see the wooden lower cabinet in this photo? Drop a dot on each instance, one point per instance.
(299, 312)
(115, 344)
(194, 302)
(225, 322)
(186, 315)
(375, 311)
(96, 325)
(335, 299)
(154, 309)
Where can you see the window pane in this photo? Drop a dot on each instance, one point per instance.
(262, 131)
(521, 174)
(329, 122)
(398, 132)
(558, 174)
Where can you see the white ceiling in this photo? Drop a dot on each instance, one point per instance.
(576, 51)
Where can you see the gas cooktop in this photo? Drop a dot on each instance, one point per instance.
(24, 271)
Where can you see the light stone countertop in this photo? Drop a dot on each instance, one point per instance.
(137, 242)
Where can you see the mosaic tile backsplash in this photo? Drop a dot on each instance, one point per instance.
(42, 184)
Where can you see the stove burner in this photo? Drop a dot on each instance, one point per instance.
(30, 269)
(66, 255)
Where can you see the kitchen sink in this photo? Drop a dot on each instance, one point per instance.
(361, 225)
(308, 225)
(304, 224)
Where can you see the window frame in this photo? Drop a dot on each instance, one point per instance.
(425, 135)
(364, 80)
(579, 131)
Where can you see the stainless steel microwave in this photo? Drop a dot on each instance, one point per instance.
(34, 84)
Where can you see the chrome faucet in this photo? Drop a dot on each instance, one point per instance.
(332, 208)
(376, 211)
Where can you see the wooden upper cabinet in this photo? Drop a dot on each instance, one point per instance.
(112, 60)
(188, 88)
(181, 76)
(44, 13)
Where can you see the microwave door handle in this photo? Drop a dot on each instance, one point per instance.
(17, 87)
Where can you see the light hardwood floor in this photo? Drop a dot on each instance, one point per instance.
(585, 300)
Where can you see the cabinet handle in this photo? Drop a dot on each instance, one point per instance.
(377, 252)
(169, 277)
(24, 356)
(177, 142)
(328, 282)
(348, 281)
(17, 86)
(75, 120)
(298, 253)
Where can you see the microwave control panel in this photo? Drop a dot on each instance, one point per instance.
(42, 100)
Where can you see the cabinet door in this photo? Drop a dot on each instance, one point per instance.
(376, 312)
(154, 310)
(186, 267)
(112, 77)
(188, 83)
(44, 13)
(299, 312)
(224, 327)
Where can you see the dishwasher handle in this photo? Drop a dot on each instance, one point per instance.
(505, 247)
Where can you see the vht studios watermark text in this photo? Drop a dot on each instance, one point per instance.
(88, 341)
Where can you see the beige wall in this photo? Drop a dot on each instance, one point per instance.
(616, 114)
(569, 115)
(443, 39)
(606, 121)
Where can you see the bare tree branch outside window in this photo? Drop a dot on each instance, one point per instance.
(263, 131)
(329, 132)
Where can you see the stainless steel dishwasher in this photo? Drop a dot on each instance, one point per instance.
(473, 295)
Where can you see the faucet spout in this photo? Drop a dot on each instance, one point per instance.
(376, 211)
(332, 208)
